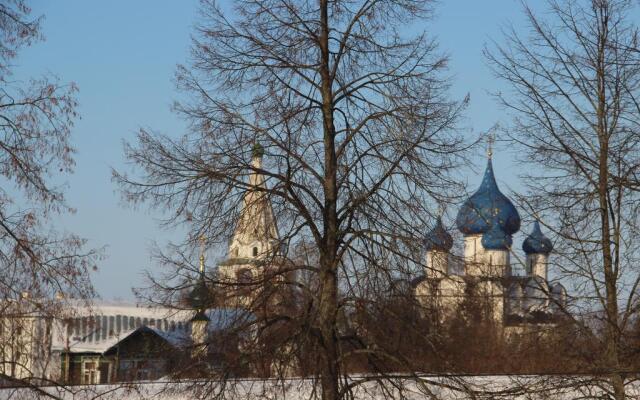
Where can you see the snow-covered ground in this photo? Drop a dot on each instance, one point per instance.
(428, 387)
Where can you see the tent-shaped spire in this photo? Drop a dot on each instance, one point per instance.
(256, 234)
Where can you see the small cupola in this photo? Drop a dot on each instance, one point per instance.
(438, 243)
(537, 242)
(438, 238)
(199, 300)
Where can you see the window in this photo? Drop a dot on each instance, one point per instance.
(91, 373)
(235, 252)
(255, 251)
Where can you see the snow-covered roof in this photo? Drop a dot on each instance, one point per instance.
(175, 338)
(99, 346)
(96, 328)
(100, 307)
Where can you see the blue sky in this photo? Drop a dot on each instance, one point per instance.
(122, 54)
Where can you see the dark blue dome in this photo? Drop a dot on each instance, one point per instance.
(496, 239)
(487, 207)
(537, 242)
(438, 238)
(200, 297)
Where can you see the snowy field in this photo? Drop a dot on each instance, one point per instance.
(434, 387)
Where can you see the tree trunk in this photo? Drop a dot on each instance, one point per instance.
(611, 300)
(330, 372)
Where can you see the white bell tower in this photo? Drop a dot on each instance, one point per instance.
(256, 234)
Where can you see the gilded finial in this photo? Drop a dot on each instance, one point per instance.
(442, 208)
(491, 139)
(203, 241)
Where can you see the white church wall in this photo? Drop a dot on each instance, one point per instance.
(451, 291)
(473, 253)
(537, 265)
(492, 292)
(497, 263)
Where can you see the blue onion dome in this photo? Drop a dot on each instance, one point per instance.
(537, 242)
(488, 206)
(438, 238)
(496, 239)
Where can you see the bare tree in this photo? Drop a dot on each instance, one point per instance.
(355, 123)
(575, 98)
(36, 262)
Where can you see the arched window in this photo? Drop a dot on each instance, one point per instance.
(255, 251)
(234, 252)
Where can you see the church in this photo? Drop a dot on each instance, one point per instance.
(487, 221)
(114, 342)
